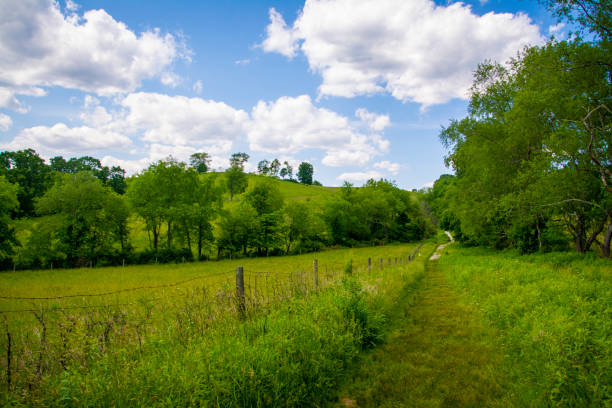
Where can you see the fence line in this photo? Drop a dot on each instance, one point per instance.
(329, 273)
(166, 285)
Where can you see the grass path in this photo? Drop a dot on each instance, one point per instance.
(437, 355)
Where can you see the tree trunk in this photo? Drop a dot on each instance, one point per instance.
(593, 236)
(169, 234)
(605, 247)
(155, 237)
(199, 241)
(580, 235)
(188, 236)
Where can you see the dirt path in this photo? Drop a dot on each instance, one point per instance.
(438, 252)
(437, 356)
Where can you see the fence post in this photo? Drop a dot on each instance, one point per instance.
(381, 263)
(396, 260)
(240, 291)
(369, 264)
(315, 272)
(389, 261)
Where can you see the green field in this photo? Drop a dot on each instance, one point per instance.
(68, 335)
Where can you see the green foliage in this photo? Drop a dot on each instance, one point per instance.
(8, 203)
(265, 198)
(376, 212)
(305, 173)
(169, 193)
(93, 217)
(239, 160)
(28, 170)
(113, 177)
(237, 181)
(200, 162)
(552, 313)
(528, 156)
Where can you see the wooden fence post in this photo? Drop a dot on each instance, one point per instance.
(381, 263)
(369, 264)
(396, 260)
(315, 273)
(240, 291)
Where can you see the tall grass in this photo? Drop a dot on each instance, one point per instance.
(188, 346)
(554, 314)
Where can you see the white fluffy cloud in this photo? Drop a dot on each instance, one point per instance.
(359, 176)
(375, 121)
(5, 122)
(392, 168)
(41, 46)
(414, 50)
(289, 125)
(182, 121)
(279, 38)
(61, 139)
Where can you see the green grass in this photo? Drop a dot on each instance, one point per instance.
(186, 345)
(437, 354)
(553, 313)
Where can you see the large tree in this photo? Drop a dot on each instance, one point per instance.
(27, 169)
(529, 157)
(305, 173)
(93, 216)
(200, 162)
(265, 197)
(8, 203)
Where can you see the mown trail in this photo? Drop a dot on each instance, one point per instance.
(438, 355)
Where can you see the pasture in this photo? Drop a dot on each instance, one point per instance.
(95, 317)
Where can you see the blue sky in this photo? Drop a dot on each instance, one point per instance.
(358, 88)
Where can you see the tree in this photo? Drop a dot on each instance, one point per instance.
(116, 180)
(266, 199)
(263, 167)
(8, 203)
(526, 156)
(286, 171)
(239, 160)
(113, 177)
(298, 223)
(305, 173)
(274, 168)
(27, 169)
(593, 15)
(93, 216)
(236, 180)
(200, 162)
(237, 229)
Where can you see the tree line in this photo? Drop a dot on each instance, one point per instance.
(533, 157)
(81, 215)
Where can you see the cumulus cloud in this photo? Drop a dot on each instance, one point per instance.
(554, 29)
(182, 121)
(359, 176)
(375, 121)
(40, 46)
(279, 38)
(392, 168)
(5, 122)
(414, 50)
(292, 124)
(61, 139)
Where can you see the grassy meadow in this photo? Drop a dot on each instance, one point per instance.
(187, 341)
(553, 316)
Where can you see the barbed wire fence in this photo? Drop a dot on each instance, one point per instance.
(48, 337)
